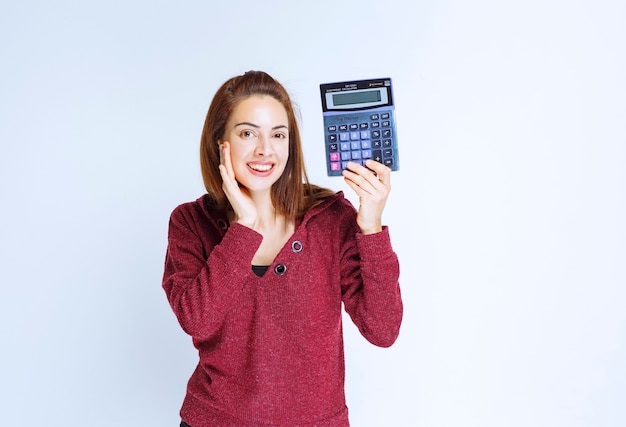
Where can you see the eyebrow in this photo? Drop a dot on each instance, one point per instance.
(258, 127)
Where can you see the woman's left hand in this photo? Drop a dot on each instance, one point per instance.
(372, 185)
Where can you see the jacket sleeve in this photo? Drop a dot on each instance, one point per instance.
(203, 277)
(371, 291)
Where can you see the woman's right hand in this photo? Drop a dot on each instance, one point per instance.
(238, 196)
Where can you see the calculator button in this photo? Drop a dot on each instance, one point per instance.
(374, 117)
(386, 143)
(386, 133)
(384, 116)
(345, 155)
(345, 136)
(355, 145)
(334, 157)
(356, 155)
(366, 144)
(332, 137)
(375, 124)
(343, 128)
(332, 128)
(388, 153)
(388, 162)
(375, 134)
(344, 165)
(355, 136)
(377, 155)
(386, 123)
(335, 166)
(376, 144)
(364, 126)
(366, 154)
(365, 134)
(333, 147)
(354, 126)
(345, 146)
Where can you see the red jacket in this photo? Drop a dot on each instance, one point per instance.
(271, 347)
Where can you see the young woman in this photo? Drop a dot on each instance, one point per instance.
(257, 269)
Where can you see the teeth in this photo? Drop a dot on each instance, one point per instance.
(260, 168)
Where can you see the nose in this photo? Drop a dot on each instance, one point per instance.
(264, 145)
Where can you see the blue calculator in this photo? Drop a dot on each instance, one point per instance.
(359, 124)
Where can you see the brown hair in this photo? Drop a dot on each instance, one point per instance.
(292, 194)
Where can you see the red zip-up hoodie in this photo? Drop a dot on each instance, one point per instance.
(271, 347)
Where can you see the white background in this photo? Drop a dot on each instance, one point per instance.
(507, 214)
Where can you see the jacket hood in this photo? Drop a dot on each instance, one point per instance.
(220, 219)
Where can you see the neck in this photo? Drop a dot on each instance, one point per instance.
(263, 202)
(268, 218)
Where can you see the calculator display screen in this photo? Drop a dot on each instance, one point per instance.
(356, 97)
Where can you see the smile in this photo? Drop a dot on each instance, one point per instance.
(260, 167)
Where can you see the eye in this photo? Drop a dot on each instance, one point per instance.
(280, 135)
(246, 134)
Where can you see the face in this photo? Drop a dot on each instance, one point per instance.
(258, 134)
